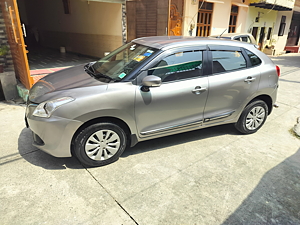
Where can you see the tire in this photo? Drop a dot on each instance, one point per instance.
(253, 117)
(100, 144)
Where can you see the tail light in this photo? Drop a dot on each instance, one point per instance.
(278, 71)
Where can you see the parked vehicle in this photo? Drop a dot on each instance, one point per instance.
(244, 37)
(149, 88)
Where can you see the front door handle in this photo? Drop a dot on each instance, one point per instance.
(250, 79)
(198, 90)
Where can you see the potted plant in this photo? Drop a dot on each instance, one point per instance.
(3, 51)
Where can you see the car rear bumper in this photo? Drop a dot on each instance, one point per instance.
(52, 135)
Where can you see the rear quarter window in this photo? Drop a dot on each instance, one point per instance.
(254, 59)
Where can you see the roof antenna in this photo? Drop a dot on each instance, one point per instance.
(222, 33)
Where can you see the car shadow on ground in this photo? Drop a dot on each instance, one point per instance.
(275, 200)
(182, 138)
(39, 158)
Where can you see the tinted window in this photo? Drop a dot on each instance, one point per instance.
(253, 58)
(181, 65)
(227, 61)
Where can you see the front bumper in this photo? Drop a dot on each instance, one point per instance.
(52, 135)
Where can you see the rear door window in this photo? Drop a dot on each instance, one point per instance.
(224, 61)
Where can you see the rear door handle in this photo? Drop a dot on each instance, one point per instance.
(198, 90)
(250, 79)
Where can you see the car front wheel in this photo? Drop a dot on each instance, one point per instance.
(100, 144)
(253, 117)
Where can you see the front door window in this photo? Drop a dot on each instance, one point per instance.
(178, 66)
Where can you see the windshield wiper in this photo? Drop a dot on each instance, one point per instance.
(89, 69)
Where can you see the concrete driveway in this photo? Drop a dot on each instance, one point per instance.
(209, 176)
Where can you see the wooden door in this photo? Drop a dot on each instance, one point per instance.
(146, 18)
(204, 19)
(175, 19)
(16, 41)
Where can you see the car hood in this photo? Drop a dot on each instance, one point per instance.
(70, 78)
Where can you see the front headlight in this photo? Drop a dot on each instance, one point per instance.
(45, 109)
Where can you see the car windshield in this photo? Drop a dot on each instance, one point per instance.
(118, 64)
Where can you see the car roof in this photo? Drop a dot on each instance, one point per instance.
(166, 42)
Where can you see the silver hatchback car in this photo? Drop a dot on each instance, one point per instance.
(149, 88)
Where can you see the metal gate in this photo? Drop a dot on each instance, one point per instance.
(16, 41)
(175, 18)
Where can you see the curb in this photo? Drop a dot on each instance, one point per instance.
(22, 91)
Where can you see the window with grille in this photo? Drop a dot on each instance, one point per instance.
(204, 19)
(233, 18)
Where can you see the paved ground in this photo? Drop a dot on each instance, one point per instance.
(45, 58)
(43, 61)
(210, 176)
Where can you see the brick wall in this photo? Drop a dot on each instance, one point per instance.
(5, 60)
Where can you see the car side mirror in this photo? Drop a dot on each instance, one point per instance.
(150, 81)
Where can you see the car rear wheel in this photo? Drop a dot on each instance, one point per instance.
(100, 144)
(253, 117)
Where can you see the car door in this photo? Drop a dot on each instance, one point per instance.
(232, 83)
(179, 102)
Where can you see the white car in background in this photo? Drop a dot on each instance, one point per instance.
(244, 37)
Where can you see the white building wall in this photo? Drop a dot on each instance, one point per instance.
(190, 16)
(280, 41)
(267, 18)
(220, 17)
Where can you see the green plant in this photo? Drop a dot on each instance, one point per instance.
(4, 50)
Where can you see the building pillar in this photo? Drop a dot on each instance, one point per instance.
(5, 60)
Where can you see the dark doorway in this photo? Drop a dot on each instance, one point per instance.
(293, 36)
(261, 37)
(254, 32)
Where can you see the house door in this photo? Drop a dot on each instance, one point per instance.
(204, 19)
(146, 18)
(293, 36)
(16, 41)
(254, 32)
(261, 38)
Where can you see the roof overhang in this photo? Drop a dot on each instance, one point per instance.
(265, 5)
(239, 4)
(215, 1)
(107, 1)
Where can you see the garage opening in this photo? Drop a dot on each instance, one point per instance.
(63, 33)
